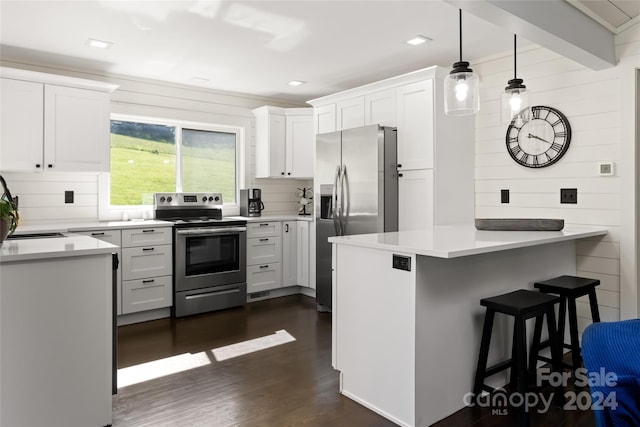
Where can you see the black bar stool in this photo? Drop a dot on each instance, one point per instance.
(522, 305)
(569, 288)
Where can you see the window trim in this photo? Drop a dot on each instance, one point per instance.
(108, 212)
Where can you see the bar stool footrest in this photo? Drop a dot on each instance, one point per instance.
(498, 367)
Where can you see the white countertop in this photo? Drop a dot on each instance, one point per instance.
(282, 217)
(54, 247)
(463, 240)
(84, 226)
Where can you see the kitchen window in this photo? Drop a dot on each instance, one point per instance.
(150, 155)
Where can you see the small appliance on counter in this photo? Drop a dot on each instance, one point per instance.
(251, 202)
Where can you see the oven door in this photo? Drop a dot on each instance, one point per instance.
(210, 256)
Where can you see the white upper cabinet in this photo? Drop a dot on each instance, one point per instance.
(350, 113)
(415, 125)
(53, 123)
(76, 129)
(21, 125)
(325, 119)
(299, 143)
(380, 108)
(284, 142)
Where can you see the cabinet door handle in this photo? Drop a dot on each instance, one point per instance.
(50, 166)
(97, 234)
(288, 173)
(38, 165)
(264, 240)
(400, 175)
(281, 173)
(148, 249)
(286, 228)
(263, 225)
(148, 281)
(399, 165)
(149, 230)
(264, 266)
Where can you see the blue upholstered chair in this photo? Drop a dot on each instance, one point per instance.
(614, 347)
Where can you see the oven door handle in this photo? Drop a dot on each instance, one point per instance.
(211, 231)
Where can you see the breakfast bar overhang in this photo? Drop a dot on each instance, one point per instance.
(407, 321)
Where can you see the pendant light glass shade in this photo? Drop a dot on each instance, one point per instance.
(514, 101)
(461, 87)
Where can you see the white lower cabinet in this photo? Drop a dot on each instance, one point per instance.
(115, 238)
(146, 294)
(264, 256)
(277, 255)
(302, 253)
(264, 277)
(147, 269)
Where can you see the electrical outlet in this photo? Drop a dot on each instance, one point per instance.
(569, 195)
(68, 196)
(504, 196)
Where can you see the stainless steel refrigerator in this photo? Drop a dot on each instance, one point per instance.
(356, 183)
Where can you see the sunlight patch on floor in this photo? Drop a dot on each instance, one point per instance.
(245, 347)
(160, 368)
(184, 362)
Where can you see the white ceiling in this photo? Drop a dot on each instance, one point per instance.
(253, 47)
(613, 14)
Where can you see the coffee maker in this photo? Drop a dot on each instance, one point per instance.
(250, 202)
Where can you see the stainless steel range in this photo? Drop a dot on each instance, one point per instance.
(209, 253)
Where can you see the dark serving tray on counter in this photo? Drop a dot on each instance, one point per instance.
(519, 224)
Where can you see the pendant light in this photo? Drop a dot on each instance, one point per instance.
(461, 87)
(514, 101)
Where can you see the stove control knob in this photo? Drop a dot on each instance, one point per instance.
(217, 199)
(169, 199)
(211, 198)
(204, 198)
(162, 199)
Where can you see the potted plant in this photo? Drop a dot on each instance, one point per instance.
(9, 215)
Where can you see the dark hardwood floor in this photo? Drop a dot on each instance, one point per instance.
(288, 385)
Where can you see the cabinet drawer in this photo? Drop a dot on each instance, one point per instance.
(146, 294)
(264, 277)
(147, 261)
(110, 236)
(146, 236)
(264, 229)
(264, 250)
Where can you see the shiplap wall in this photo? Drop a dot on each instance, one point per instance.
(42, 194)
(591, 101)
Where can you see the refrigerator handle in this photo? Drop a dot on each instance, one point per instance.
(335, 208)
(345, 194)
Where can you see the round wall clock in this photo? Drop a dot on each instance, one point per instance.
(541, 140)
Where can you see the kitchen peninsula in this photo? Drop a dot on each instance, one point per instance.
(407, 319)
(56, 331)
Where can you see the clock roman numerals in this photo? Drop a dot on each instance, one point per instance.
(535, 113)
(555, 146)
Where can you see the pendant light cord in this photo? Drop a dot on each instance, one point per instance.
(460, 29)
(515, 61)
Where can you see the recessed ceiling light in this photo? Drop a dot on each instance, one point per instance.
(296, 83)
(418, 40)
(100, 44)
(199, 80)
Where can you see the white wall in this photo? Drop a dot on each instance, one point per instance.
(42, 194)
(592, 102)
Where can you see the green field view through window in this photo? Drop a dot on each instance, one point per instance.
(144, 156)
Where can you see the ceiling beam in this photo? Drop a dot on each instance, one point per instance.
(553, 24)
